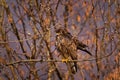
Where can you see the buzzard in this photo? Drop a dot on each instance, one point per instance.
(67, 45)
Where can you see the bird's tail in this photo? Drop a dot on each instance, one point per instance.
(72, 67)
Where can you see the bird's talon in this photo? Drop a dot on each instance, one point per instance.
(65, 60)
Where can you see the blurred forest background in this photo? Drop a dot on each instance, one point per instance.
(27, 39)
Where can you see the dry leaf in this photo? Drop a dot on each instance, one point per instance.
(47, 21)
(78, 18)
(2, 60)
(74, 26)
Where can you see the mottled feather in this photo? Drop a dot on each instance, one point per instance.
(67, 45)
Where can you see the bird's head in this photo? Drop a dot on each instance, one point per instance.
(60, 31)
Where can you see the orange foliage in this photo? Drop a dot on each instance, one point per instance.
(114, 75)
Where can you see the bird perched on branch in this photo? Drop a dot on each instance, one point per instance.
(67, 45)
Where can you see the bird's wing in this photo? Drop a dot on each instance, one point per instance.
(81, 46)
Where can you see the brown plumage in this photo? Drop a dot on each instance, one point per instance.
(67, 45)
